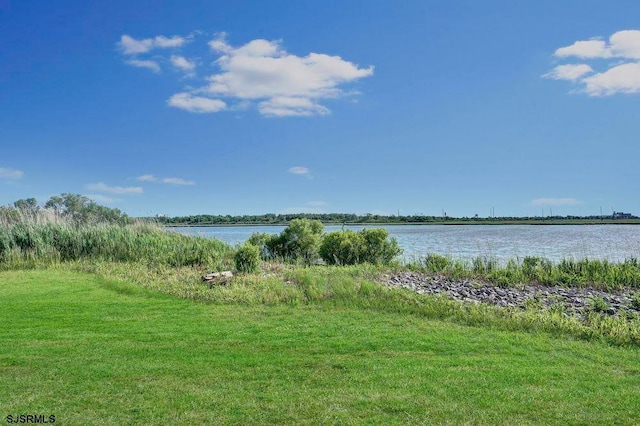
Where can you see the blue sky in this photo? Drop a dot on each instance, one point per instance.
(250, 107)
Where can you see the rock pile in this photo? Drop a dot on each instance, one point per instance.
(571, 299)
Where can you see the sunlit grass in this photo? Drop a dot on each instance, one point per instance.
(92, 350)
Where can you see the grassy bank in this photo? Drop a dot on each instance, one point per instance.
(356, 287)
(101, 351)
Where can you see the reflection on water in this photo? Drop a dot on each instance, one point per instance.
(555, 242)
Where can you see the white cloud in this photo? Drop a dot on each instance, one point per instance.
(131, 46)
(539, 202)
(101, 187)
(164, 42)
(570, 72)
(622, 44)
(299, 170)
(191, 103)
(219, 43)
(182, 63)
(621, 77)
(147, 178)
(287, 84)
(316, 203)
(585, 49)
(8, 173)
(626, 44)
(178, 181)
(140, 63)
(260, 74)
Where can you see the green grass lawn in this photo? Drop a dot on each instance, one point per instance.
(93, 351)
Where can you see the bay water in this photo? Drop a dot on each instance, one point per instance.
(501, 242)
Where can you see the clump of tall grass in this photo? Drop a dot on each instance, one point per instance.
(46, 238)
(568, 272)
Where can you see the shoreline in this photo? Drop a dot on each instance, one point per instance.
(541, 222)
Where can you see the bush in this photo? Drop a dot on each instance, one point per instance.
(247, 258)
(367, 246)
(341, 248)
(299, 241)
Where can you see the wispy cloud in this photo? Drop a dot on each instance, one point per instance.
(191, 103)
(182, 63)
(571, 72)
(620, 77)
(260, 74)
(102, 187)
(316, 203)
(152, 65)
(130, 46)
(299, 170)
(167, 180)
(9, 173)
(147, 178)
(541, 202)
(177, 181)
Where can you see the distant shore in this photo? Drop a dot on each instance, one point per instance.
(495, 222)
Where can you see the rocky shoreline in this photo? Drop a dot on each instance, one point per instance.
(566, 299)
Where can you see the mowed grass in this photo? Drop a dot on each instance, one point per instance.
(94, 351)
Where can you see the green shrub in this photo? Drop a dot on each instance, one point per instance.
(247, 258)
(367, 246)
(341, 248)
(300, 241)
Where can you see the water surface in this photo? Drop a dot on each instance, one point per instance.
(555, 242)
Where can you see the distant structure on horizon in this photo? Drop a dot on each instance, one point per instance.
(622, 215)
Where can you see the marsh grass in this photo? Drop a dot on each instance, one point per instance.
(47, 239)
(568, 272)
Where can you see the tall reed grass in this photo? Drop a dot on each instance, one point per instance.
(47, 238)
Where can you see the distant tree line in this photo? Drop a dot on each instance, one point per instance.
(349, 218)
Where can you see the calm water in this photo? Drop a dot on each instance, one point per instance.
(612, 242)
